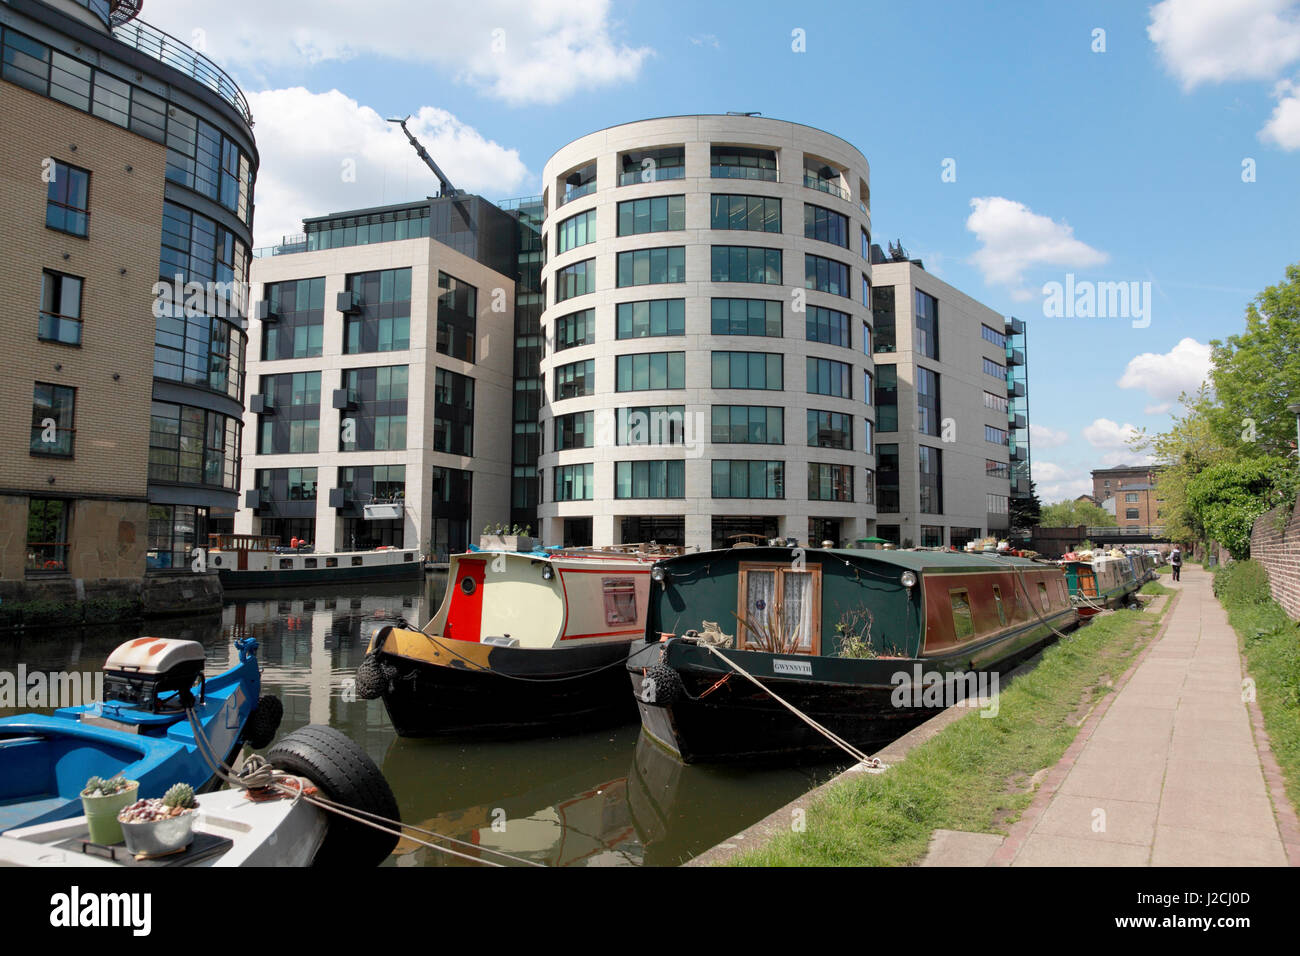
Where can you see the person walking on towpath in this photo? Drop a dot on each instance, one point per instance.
(1176, 562)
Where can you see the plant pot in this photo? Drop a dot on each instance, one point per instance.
(504, 542)
(101, 814)
(159, 837)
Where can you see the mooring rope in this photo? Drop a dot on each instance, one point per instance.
(262, 775)
(840, 742)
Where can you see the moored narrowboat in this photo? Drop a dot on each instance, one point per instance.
(523, 643)
(866, 643)
(257, 561)
(1102, 582)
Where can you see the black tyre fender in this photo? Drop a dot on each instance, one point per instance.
(343, 772)
(662, 686)
(371, 681)
(263, 722)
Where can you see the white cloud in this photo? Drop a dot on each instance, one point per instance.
(1040, 436)
(294, 181)
(1104, 433)
(1114, 458)
(1015, 238)
(1067, 489)
(1165, 376)
(1210, 41)
(520, 51)
(1283, 127)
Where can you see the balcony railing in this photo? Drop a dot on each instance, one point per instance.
(727, 171)
(577, 192)
(658, 174)
(826, 186)
(1015, 357)
(168, 50)
(1136, 531)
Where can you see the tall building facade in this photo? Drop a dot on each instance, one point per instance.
(951, 412)
(126, 203)
(381, 371)
(707, 370)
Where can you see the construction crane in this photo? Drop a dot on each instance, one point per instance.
(447, 189)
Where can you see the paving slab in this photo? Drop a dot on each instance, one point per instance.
(1171, 773)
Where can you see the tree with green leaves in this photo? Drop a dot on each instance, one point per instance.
(1071, 514)
(1229, 496)
(1256, 374)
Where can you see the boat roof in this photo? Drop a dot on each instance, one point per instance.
(911, 560)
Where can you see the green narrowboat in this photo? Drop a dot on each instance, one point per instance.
(866, 643)
(1101, 583)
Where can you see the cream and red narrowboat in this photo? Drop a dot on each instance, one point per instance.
(523, 643)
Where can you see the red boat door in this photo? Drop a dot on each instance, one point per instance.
(465, 615)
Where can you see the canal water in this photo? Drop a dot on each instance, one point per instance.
(604, 798)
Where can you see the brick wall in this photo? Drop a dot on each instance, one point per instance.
(1278, 549)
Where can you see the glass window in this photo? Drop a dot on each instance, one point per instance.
(962, 623)
(748, 425)
(573, 482)
(576, 231)
(575, 380)
(746, 264)
(651, 317)
(748, 479)
(576, 329)
(53, 420)
(650, 479)
(654, 214)
(574, 431)
(60, 319)
(753, 213)
(574, 280)
(746, 317)
(883, 319)
(995, 469)
(652, 425)
(67, 199)
(457, 317)
(995, 436)
(652, 165)
(742, 162)
(652, 370)
(826, 275)
(993, 368)
(828, 326)
(927, 325)
(652, 266)
(825, 225)
(993, 335)
(927, 402)
(830, 430)
(931, 479)
(763, 370)
(830, 482)
(827, 377)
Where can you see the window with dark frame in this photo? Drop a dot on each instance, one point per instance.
(67, 199)
(60, 319)
(53, 420)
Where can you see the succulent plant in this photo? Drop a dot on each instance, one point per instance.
(179, 795)
(99, 787)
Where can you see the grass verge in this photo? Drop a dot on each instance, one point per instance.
(1155, 587)
(1271, 643)
(974, 775)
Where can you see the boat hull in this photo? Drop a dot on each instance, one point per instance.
(481, 690)
(859, 700)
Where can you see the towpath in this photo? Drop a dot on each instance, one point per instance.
(1166, 772)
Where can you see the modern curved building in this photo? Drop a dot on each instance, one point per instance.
(707, 369)
(127, 179)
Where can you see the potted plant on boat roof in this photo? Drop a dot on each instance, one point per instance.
(101, 800)
(160, 825)
(500, 537)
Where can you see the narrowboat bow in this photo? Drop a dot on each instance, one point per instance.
(524, 642)
(866, 643)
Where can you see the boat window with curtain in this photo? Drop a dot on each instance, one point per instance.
(780, 609)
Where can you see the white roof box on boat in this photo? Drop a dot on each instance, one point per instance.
(154, 655)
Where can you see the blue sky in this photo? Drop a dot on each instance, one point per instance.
(1117, 166)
